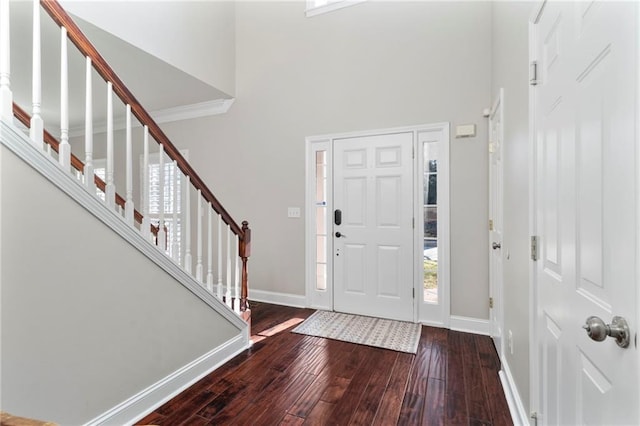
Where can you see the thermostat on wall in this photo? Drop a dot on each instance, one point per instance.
(465, 131)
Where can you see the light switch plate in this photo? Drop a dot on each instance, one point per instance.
(465, 131)
(293, 212)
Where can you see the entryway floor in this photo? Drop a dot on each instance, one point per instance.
(293, 379)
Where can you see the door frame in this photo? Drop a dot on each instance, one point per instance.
(496, 282)
(432, 314)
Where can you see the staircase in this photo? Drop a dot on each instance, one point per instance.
(174, 209)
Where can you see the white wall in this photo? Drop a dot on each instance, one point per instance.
(196, 37)
(87, 321)
(373, 65)
(510, 71)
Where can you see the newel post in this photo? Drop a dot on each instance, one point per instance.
(245, 253)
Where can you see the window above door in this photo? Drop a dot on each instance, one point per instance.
(318, 7)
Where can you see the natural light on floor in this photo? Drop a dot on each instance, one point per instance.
(276, 329)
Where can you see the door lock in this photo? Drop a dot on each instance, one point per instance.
(496, 245)
(618, 329)
(337, 217)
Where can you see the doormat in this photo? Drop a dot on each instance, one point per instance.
(382, 333)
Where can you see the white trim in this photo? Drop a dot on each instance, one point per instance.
(470, 325)
(516, 408)
(167, 115)
(433, 313)
(186, 112)
(325, 301)
(329, 7)
(496, 277)
(45, 165)
(637, 145)
(285, 299)
(139, 405)
(534, 359)
(317, 299)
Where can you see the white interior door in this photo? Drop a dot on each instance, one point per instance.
(586, 192)
(373, 254)
(495, 217)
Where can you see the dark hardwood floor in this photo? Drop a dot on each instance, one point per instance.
(291, 379)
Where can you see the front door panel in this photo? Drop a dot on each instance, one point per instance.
(373, 255)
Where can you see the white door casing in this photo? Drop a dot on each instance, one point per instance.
(319, 219)
(496, 150)
(586, 209)
(373, 245)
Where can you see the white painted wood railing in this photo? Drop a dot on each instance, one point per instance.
(170, 225)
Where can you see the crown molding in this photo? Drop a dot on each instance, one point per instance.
(183, 112)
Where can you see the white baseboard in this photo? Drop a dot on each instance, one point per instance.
(138, 406)
(469, 325)
(516, 408)
(276, 298)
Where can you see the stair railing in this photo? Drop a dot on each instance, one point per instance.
(231, 282)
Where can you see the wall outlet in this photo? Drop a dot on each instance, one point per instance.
(510, 342)
(293, 212)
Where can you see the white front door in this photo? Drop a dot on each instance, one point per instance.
(495, 217)
(586, 209)
(373, 225)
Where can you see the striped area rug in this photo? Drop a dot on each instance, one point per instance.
(382, 333)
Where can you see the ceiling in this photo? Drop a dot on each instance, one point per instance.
(156, 84)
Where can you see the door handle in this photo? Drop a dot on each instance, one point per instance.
(496, 245)
(340, 235)
(618, 329)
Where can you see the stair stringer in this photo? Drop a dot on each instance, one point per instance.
(135, 404)
(17, 142)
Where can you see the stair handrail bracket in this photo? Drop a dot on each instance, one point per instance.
(231, 286)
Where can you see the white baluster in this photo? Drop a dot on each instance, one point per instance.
(228, 277)
(64, 149)
(110, 189)
(199, 239)
(188, 262)
(162, 235)
(36, 130)
(89, 172)
(220, 257)
(145, 227)
(128, 204)
(236, 272)
(6, 97)
(209, 248)
(175, 244)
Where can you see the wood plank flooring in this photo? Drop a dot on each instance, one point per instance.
(292, 379)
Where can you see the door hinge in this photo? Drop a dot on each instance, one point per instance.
(533, 73)
(491, 303)
(534, 417)
(491, 148)
(413, 223)
(414, 293)
(490, 224)
(413, 152)
(534, 247)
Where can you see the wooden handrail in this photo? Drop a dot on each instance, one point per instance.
(76, 163)
(77, 37)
